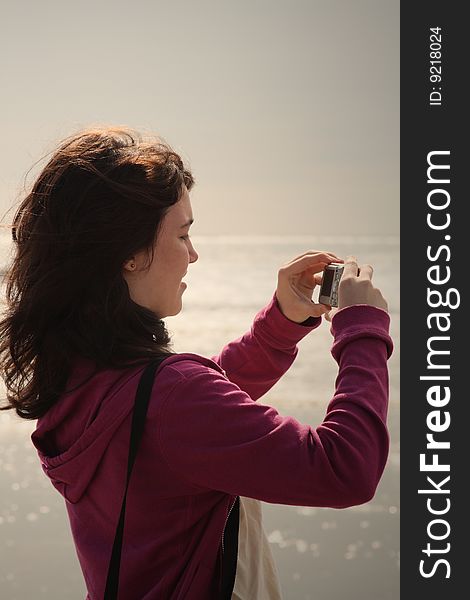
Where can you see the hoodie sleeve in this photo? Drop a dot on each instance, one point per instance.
(212, 433)
(259, 358)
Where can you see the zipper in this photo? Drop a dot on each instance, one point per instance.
(226, 519)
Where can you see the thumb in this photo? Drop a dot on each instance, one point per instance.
(318, 278)
(330, 314)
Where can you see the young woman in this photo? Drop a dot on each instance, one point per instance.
(101, 247)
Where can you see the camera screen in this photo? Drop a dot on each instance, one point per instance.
(327, 282)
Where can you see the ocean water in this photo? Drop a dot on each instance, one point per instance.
(321, 553)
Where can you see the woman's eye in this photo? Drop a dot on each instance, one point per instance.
(185, 237)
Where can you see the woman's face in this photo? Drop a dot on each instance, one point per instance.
(160, 287)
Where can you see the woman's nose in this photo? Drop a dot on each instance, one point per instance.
(193, 255)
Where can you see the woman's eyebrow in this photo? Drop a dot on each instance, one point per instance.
(190, 222)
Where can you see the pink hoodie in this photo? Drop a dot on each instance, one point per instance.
(207, 441)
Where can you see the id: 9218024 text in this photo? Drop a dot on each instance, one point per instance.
(435, 66)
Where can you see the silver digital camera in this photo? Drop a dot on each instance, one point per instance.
(329, 288)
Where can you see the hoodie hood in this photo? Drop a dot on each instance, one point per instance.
(73, 435)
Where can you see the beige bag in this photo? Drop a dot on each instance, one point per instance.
(257, 575)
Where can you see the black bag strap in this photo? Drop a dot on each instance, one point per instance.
(142, 398)
(229, 565)
(230, 556)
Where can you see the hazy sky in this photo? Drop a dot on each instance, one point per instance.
(287, 111)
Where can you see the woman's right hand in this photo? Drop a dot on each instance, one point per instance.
(355, 287)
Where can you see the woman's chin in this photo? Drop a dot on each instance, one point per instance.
(177, 305)
(176, 308)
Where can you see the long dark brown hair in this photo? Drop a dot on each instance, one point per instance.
(100, 199)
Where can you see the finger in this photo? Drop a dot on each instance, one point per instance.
(320, 309)
(316, 307)
(330, 255)
(366, 272)
(315, 262)
(330, 314)
(350, 266)
(318, 278)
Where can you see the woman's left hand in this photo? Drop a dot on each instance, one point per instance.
(295, 284)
